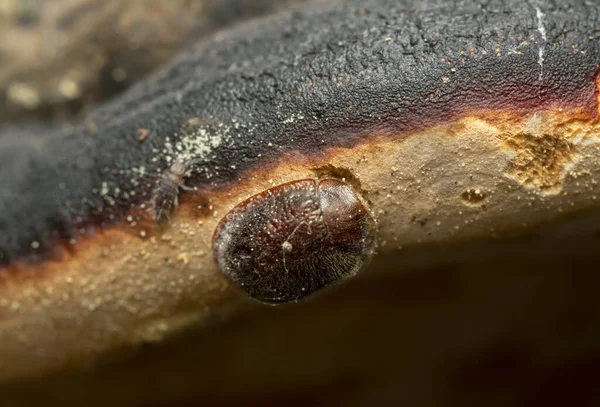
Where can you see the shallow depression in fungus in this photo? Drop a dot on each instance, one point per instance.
(473, 197)
(294, 239)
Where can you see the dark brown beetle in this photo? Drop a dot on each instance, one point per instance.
(294, 239)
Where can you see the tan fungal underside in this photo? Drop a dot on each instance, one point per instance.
(486, 175)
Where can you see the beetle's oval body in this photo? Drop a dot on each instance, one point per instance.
(294, 239)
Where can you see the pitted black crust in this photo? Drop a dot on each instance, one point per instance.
(392, 58)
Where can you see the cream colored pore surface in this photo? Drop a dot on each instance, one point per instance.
(473, 179)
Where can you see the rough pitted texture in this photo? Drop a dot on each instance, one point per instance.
(299, 81)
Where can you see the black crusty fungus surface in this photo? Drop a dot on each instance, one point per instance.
(326, 75)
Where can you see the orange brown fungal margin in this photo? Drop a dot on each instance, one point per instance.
(453, 121)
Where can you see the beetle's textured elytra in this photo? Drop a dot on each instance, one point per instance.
(294, 239)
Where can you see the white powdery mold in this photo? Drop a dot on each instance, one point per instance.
(185, 157)
(198, 144)
(293, 118)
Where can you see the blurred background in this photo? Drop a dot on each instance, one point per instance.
(59, 57)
